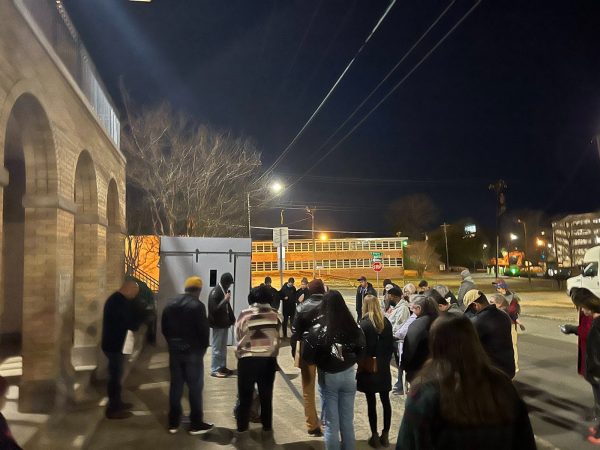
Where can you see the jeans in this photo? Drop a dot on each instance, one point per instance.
(337, 392)
(186, 368)
(219, 349)
(115, 373)
(259, 370)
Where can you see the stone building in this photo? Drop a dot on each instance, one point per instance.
(573, 235)
(62, 187)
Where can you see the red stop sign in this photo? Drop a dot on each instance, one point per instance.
(377, 266)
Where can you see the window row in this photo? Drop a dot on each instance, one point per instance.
(331, 246)
(325, 264)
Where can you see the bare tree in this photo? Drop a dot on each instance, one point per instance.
(192, 179)
(413, 215)
(140, 250)
(421, 256)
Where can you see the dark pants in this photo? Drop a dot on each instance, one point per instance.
(186, 368)
(115, 374)
(289, 311)
(261, 371)
(372, 410)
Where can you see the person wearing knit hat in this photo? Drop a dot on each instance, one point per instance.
(466, 285)
(302, 323)
(514, 311)
(186, 330)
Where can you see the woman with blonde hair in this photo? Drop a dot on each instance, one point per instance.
(373, 376)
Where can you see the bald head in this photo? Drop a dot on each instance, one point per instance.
(130, 289)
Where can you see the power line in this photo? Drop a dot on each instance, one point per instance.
(390, 92)
(319, 231)
(313, 115)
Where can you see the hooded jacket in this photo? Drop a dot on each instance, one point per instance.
(493, 328)
(465, 286)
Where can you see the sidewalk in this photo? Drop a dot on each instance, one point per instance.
(147, 388)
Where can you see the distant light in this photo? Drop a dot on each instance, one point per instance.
(470, 229)
(539, 242)
(141, 1)
(549, 245)
(485, 246)
(323, 237)
(543, 233)
(276, 187)
(513, 237)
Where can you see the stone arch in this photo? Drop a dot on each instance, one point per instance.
(115, 239)
(29, 312)
(89, 259)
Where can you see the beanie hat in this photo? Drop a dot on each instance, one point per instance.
(316, 286)
(226, 279)
(194, 282)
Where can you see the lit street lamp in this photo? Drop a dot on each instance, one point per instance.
(276, 188)
(323, 237)
(513, 237)
(522, 222)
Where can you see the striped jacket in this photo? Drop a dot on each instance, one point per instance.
(257, 332)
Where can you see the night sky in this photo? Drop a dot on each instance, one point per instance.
(513, 93)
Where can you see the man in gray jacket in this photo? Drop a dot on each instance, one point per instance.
(466, 285)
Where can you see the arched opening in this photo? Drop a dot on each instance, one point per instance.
(115, 265)
(89, 259)
(29, 318)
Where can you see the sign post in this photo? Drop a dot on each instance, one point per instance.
(377, 264)
(280, 240)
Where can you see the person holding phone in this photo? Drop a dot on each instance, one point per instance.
(220, 318)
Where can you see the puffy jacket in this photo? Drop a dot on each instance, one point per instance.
(220, 313)
(185, 325)
(466, 285)
(493, 328)
(305, 313)
(290, 303)
(332, 354)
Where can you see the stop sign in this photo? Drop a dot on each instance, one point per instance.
(377, 266)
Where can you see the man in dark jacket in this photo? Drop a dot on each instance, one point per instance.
(220, 318)
(302, 322)
(493, 328)
(288, 297)
(185, 327)
(275, 300)
(365, 288)
(119, 316)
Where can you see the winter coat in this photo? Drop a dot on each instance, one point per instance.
(276, 301)
(455, 309)
(332, 354)
(400, 334)
(398, 315)
(466, 285)
(300, 292)
(493, 328)
(119, 316)
(514, 306)
(361, 293)
(585, 323)
(381, 346)
(220, 312)
(592, 355)
(289, 303)
(305, 313)
(185, 325)
(424, 428)
(415, 350)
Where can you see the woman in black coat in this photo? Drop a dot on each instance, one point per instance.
(415, 350)
(380, 345)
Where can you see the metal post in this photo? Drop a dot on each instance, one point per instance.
(249, 227)
(444, 226)
(527, 252)
(281, 257)
(313, 243)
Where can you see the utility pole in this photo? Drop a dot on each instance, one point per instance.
(311, 213)
(522, 222)
(445, 226)
(249, 227)
(498, 187)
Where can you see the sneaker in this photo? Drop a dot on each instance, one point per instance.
(218, 375)
(173, 430)
(200, 428)
(226, 371)
(118, 414)
(397, 391)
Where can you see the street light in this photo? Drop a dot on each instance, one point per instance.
(276, 187)
(513, 237)
(311, 213)
(323, 237)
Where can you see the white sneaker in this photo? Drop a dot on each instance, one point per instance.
(173, 430)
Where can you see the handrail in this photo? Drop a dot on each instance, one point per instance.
(52, 19)
(140, 274)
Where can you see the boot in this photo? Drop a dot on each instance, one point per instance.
(243, 441)
(384, 439)
(374, 441)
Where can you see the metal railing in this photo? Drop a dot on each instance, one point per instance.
(138, 273)
(52, 19)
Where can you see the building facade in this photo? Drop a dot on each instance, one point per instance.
(573, 235)
(334, 259)
(62, 187)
